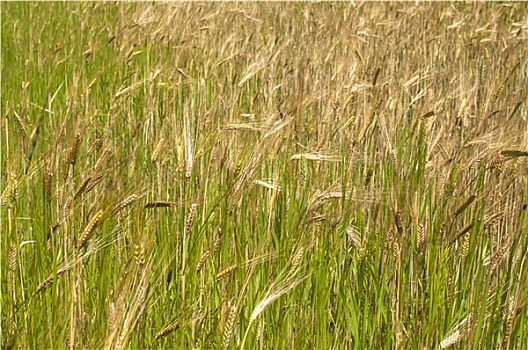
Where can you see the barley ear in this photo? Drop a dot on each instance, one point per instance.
(509, 317)
(203, 260)
(157, 150)
(217, 241)
(89, 229)
(160, 204)
(465, 205)
(225, 272)
(47, 183)
(20, 124)
(11, 266)
(167, 330)
(228, 327)
(296, 260)
(125, 203)
(72, 157)
(139, 254)
(190, 219)
(420, 230)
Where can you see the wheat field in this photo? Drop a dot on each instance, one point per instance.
(264, 175)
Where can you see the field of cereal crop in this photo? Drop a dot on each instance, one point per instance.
(264, 175)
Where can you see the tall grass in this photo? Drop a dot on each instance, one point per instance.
(264, 176)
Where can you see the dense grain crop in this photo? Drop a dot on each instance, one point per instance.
(264, 175)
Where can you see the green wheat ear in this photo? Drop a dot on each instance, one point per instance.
(303, 170)
(499, 90)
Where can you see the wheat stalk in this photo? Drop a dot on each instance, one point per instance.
(53, 228)
(34, 135)
(392, 151)
(188, 148)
